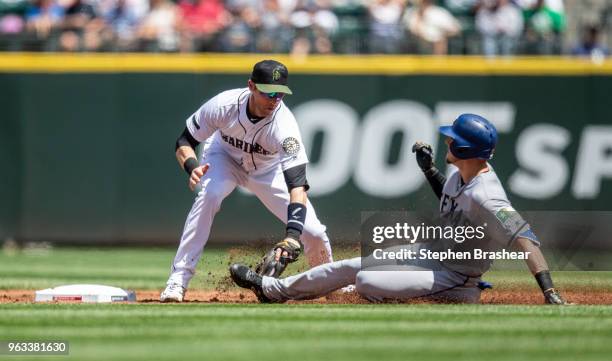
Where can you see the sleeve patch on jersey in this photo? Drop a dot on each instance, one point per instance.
(291, 146)
(195, 124)
(510, 218)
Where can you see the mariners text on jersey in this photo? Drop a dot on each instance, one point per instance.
(222, 124)
(245, 146)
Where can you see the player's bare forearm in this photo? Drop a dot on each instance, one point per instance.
(287, 250)
(536, 261)
(183, 153)
(187, 159)
(539, 268)
(298, 195)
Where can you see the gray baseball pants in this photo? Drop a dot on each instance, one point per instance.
(377, 284)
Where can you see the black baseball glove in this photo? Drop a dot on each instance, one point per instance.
(276, 260)
(424, 155)
(553, 297)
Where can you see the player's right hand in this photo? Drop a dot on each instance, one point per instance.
(424, 155)
(196, 175)
(553, 297)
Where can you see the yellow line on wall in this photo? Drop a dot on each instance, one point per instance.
(338, 64)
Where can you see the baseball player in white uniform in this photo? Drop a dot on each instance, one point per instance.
(472, 193)
(251, 139)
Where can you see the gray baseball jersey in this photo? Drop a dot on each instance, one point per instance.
(481, 202)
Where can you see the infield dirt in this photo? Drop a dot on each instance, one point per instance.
(507, 296)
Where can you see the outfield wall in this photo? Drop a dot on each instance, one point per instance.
(87, 142)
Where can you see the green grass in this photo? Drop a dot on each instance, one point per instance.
(315, 332)
(143, 268)
(137, 268)
(35, 269)
(285, 332)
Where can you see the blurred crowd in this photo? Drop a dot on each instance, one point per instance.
(299, 27)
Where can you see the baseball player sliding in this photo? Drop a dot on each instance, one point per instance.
(250, 138)
(472, 193)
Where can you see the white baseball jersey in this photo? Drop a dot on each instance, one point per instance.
(256, 147)
(481, 202)
(248, 154)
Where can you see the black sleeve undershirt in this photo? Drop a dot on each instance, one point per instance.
(436, 180)
(186, 139)
(296, 177)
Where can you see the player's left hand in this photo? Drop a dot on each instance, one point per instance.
(553, 297)
(277, 259)
(424, 155)
(288, 249)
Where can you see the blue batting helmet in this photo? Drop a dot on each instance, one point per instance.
(473, 137)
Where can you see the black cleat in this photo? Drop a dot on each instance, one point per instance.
(245, 278)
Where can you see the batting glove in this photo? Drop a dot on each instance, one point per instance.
(424, 155)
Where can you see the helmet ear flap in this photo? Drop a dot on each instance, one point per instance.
(462, 151)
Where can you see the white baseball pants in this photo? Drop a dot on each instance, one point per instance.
(220, 180)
